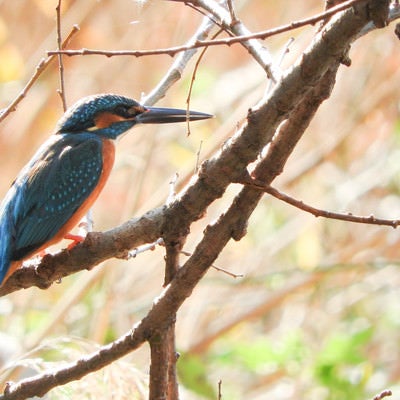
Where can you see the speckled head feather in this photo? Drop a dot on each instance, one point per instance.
(81, 116)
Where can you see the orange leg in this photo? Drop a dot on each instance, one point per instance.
(76, 239)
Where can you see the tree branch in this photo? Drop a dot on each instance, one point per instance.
(317, 212)
(61, 91)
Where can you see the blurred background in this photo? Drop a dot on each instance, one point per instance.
(316, 314)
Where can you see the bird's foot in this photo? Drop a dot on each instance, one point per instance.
(76, 239)
(42, 253)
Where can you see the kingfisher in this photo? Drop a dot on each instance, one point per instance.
(58, 186)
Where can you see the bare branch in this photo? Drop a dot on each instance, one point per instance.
(193, 79)
(349, 217)
(60, 57)
(172, 51)
(219, 269)
(231, 9)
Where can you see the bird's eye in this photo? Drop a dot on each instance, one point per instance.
(136, 110)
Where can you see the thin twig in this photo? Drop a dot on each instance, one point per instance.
(349, 217)
(280, 61)
(219, 269)
(43, 64)
(196, 66)
(382, 395)
(208, 17)
(171, 51)
(196, 167)
(145, 247)
(172, 189)
(61, 91)
(232, 11)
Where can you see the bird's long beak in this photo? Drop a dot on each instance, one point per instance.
(157, 115)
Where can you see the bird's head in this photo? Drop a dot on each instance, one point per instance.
(110, 115)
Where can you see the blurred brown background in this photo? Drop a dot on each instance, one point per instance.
(316, 314)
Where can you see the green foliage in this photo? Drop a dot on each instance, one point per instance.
(193, 375)
(341, 365)
(262, 353)
(338, 369)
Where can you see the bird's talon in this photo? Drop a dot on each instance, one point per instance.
(42, 253)
(76, 239)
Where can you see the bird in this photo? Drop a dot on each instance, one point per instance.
(58, 186)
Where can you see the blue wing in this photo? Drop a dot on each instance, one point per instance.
(48, 191)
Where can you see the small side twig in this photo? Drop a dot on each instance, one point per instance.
(232, 11)
(382, 395)
(196, 66)
(172, 189)
(219, 269)
(220, 389)
(61, 91)
(145, 247)
(317, 212)
(196, 167)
